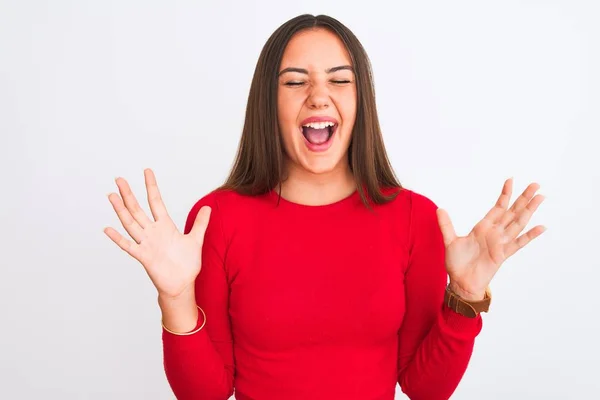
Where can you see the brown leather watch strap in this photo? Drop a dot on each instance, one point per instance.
(469, 309)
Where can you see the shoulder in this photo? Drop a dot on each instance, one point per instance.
(423, 227)
(411, 202)
(213, 198)
(221, 199)
(227, 206)
(417, 213)
(225, 198)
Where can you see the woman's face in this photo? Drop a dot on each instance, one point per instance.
(316, 101)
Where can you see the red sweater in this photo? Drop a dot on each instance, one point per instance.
(320, 302)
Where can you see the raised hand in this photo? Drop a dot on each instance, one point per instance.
(473, 260)
(171, 259)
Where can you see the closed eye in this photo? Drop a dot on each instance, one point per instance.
(337, 82)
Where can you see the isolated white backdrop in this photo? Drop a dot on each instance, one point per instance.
(469, 93)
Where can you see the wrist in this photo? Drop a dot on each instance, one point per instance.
(179, 314)
(468, 304)
(185, 296)
(468, 295)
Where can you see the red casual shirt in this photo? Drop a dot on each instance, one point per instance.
(320, 302)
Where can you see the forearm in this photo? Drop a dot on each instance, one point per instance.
(437, 367)
(193, 366)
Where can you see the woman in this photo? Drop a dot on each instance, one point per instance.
(318, 275)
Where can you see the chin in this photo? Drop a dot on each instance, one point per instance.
(320, 169)
(321, 165)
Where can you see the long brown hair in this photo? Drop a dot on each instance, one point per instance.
(258, 166)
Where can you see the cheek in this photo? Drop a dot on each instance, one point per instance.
(285, 120)
(289, 107)
(346, 106)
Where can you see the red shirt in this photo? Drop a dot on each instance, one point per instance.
(320, 302)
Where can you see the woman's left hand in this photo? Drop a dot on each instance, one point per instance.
(473, 260)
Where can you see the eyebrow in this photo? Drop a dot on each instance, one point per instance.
(329, 70)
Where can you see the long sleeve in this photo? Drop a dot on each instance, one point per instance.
(201, 365)
(435, 343)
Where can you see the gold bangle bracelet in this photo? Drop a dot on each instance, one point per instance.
(188, 333)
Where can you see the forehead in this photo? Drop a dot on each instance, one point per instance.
(315, 49)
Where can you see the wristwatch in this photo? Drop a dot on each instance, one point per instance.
(469, 309)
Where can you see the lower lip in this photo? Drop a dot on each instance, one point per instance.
(319, 148)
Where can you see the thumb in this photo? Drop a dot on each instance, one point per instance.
(200, 224)
(446, 226)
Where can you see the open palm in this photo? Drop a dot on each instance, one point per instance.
(473, 260)
(171, 259)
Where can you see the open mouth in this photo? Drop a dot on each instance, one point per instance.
(319, 133)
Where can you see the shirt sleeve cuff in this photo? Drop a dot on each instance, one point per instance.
(458, 326)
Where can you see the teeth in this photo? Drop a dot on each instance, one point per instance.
(319, 125)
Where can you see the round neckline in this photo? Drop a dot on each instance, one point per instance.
(329, 206)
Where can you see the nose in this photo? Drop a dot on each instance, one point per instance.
(318, 97)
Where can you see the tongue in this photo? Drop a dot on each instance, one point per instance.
(316, 136)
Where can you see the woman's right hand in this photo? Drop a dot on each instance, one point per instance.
(171, 259)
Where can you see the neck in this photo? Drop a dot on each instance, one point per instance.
(304, 187)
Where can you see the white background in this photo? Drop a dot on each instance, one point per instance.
(469, 94)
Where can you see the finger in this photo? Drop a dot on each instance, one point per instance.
(517, 244)
(519, 204)
(127, 245)
(157, 207)
(446, 226)
(131, 226)
(200, 224)
(131, 203)
(522, 219)
(502, 203)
